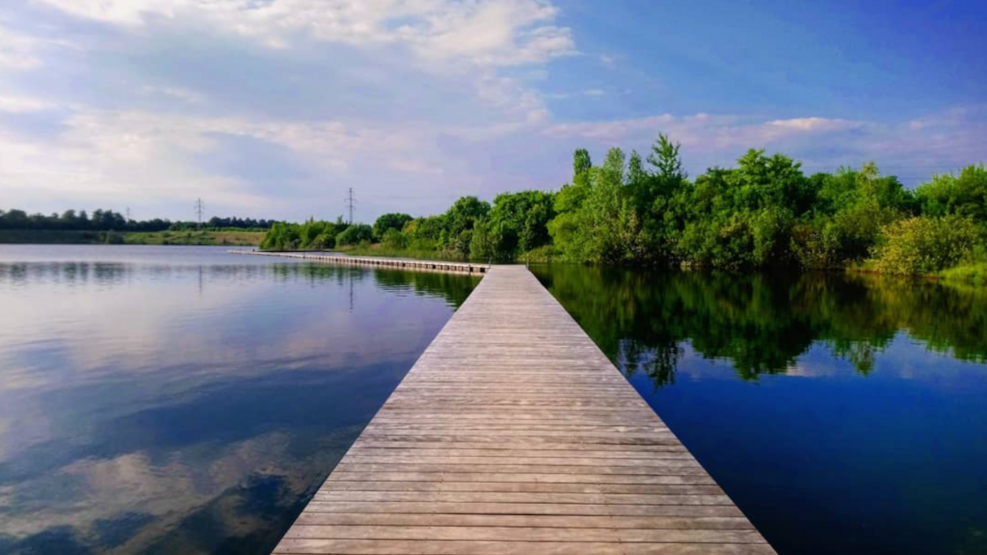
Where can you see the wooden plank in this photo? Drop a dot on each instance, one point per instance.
(523, 534)
(666, 489)
(478, 508)
(481, 547)
(526, 521)
(518, 477)
(513, 433)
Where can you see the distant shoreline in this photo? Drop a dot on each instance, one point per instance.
(187, 238)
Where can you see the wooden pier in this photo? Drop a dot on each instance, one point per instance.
(378, 262)
(514, 434)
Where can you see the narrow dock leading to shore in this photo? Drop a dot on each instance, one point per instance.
(378, 262)
(514, 434)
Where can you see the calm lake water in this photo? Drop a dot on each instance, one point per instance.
(183, 400)
(843, 414)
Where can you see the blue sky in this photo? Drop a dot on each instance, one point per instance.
(273, 108)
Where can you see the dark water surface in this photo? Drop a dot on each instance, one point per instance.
(843, 414)
(182, 400)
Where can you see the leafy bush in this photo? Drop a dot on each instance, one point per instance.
(974, 273)
(354, 235)
(311, 235)
(394, 239)
(387, 222)
(963, 195)
(925, 245)
(482, 243)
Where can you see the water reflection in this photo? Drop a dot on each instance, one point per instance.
(763, 323)
(183, 400)
(842, 413)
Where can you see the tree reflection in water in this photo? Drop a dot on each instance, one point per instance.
(761, 323)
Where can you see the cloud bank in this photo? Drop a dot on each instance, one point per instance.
(274, 108)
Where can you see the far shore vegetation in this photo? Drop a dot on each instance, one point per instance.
(646, 211)
(109, 227)
(631, 211)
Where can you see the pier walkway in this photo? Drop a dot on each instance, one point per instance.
(377, 262)
(514, 434)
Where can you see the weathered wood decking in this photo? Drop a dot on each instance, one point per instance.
(378, 262)
(513, 434)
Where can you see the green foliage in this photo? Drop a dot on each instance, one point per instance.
(394, 239)
(281, 237)
(846, 237)
(392, 221)
(764, 212)
(482, 245)
(458, 223)
(595, 219)
(425, 229)
(965, 195)
(108, 220)
(518, 223)
(925, 246)
(667, 162)
(311, 235)
(354, 235)
(581, 162)
(631, 210)
(975, 273)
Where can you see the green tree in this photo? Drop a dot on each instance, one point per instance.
(518, 223)
(390, 221)
(962, 195)
(354, 235)
(458, 223)
(394, 239)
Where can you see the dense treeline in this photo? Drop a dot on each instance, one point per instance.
(311, 235)
(225, 223)
(765, 212)
(108, 220)
(515, 224)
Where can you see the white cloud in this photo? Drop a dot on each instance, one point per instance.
(702, 130)
(21, 104)
(494, 33)
(949, 118)
(512, 99)
(913, 149)
(17, 51)
(157, 157)
(179, 93)
(612, 130)
(576, 94)
(175, 98)
(813, 124)
(484, 32)
(407, 82)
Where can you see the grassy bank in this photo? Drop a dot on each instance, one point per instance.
(377, 249)
(970, 273)
(204, 238)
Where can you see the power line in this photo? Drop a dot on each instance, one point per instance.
(350, 201)
(199, 208)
